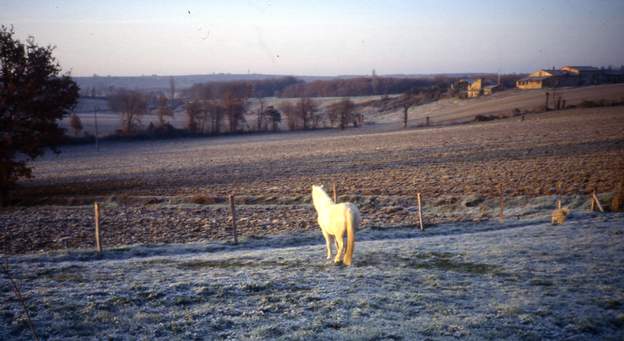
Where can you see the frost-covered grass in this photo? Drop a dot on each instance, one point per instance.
(523, 281)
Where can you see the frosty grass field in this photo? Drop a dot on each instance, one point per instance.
(519, 280)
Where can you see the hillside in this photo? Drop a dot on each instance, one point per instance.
(453, 109)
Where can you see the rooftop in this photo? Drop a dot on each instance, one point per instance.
(582, 68)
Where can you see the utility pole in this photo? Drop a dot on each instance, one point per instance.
(172, 92)
(97, 145)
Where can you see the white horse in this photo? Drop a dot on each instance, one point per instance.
(334, 220)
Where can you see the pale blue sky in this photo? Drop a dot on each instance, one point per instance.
(321, 37)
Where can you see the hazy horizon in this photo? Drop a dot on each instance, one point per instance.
(132, 38)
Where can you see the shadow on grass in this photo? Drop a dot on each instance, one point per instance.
(442, 261)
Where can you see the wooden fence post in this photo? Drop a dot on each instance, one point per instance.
(596, 201)
(98, 239)
(559, 195)
(419, 212)
(334, 193)
(593, 203)
(501, 215)
(233, 211)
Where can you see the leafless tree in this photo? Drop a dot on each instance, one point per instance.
(317, 119)
(260, 113)
(341, 112)
(75, 123)
(132, 105)
(290, 112)
(193, 111)
(407, 100)
(234, 106)
(305, 110)
(172, 92)
(164, 110)
(272, 117)
(214, 112)
(374, 83)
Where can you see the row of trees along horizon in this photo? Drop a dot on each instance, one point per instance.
(222, 107)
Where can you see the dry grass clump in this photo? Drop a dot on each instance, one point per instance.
(559, 216)
(202, 199)
(616, 202)
(618, 199)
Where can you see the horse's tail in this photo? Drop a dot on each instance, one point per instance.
(353, 220)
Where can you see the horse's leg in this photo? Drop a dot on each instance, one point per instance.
(327, 244)
(339, 244)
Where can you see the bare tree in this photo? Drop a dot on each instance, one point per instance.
(407, 100)
(374, 83)
(305, 110)
(163, 110)
(341, 113)
(271, 116)
(234, 106)
(289, 110)
(260, 113)
(75, 123)
(258, 95)
(214, 114)
(172, 92)
(193, 111)
(132, 105)
(317, 119)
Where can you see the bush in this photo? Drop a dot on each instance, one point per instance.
(600, 103)
(485, 118)
(202, 199)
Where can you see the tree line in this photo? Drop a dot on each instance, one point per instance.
(360, 86)
(292, 87)
(236, 106)
(233, 110)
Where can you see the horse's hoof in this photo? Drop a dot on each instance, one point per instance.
(337, 262)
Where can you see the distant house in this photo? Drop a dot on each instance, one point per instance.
(475, 88)
(490, 89)
(569, 76)
(547, 78)
(471, 88)
(587, 75)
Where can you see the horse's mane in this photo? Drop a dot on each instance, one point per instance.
(319, 196)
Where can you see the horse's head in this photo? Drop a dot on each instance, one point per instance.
(316, 187)
(319, 195)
